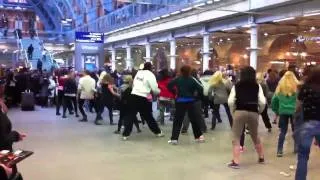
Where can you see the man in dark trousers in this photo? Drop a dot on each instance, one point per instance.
(30, 52)
(39, 66)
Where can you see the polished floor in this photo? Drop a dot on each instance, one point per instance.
(66, 149)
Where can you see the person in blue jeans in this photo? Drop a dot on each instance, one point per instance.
(284, 104)
(309, 103)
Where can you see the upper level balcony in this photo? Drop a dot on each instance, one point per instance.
(145, 11)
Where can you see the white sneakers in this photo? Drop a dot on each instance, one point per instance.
(173, 142)
(160, 134)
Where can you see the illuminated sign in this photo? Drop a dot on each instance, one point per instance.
(91, 48)
(89, 37)
(303, 39)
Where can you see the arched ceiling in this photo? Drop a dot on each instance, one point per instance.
(51, 12)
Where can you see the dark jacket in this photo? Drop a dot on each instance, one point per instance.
(186, 87)
(247, 96)
(70, 86)
(7, 136)
(3, 175)
(44, 84)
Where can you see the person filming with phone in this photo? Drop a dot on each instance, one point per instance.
(7, 137)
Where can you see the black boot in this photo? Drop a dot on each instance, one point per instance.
(84, 119)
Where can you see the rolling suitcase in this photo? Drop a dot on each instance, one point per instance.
(27, 101)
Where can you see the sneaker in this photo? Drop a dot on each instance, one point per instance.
(116, 132)
(173, 142)
(200, 139)
(125, 138)
(139, 131)
(242, 149)
(98, 123)
(83, 120)
(261, 161)
(160, 134)
(269, 130)
(293, 167)
(58, 114)
(77, 115)
(64, 116)
(280, 154)
(233, 165)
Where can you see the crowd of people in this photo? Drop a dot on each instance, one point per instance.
(293, 97)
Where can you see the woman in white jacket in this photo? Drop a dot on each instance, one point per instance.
(144, 85)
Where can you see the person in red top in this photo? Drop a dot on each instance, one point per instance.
(61, 76)
(166, 98)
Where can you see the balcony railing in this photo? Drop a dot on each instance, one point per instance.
(137, 13)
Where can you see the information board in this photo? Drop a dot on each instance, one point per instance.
(89, 37)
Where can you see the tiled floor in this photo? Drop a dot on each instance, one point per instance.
(66, 149)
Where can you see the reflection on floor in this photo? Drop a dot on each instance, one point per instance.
(66, 149)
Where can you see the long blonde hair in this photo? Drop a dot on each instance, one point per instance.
(216, 79)
(260, 77)
(288, 84)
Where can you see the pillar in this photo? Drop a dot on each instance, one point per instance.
(113, 59)
(128, 59)
(206, 52)
(254, 46)
(148, 52)
(173, 54)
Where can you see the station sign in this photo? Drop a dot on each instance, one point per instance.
(304, 39)
(89, 37)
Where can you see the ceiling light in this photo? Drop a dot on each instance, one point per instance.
(312, 28)
(312, 14)
(229, 29)
(304, 54)
(164, 16)
(186, 9)
(229, 39)
(246, 26)
(284, 19)
(157, 18)
(209, 2)
(176, 12)
(199, 5)
(277, 62)
(265, 34)
(221, 40)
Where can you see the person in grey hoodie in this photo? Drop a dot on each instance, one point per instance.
(218, 93)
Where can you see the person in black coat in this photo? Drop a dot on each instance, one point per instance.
(70, 94)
